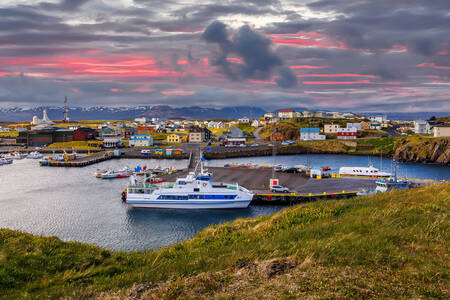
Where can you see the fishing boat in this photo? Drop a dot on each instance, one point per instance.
(13, 155)
(111, 174)
(5, 161)
(35, 155)
(387, 184)
(370, 170)
(195, 191)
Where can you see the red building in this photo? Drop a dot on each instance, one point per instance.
(347, 133)
(84, 134)
(129, 131)
(145, 129)
(276, 136)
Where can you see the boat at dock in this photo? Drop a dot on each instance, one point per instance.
(34, 155)
(5, 161)
(195, 191)
(111, 174)
(370, 170)
(13, 155)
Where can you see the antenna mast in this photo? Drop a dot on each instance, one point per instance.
(66, 111)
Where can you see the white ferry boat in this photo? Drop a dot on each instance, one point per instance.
(363, 171)
(195, 191)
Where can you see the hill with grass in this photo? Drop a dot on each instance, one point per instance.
(392, 245)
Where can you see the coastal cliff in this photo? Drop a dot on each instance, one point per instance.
(424, 151)
(390, 245)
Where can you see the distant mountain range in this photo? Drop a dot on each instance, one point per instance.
(124, 113)
(167, 112)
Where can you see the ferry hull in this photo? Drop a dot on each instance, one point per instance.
(189, 204)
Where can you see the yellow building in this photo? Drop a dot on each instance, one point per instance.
(176, 138)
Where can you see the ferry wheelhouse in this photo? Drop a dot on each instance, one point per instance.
(195, 191)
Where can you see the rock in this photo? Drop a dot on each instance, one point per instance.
(138, 290)
(276, 267)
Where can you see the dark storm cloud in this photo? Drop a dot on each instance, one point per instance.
(254, 49)
(379, 25)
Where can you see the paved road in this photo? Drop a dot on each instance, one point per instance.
(257, 180)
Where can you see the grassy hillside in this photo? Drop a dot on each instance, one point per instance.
(381, 246)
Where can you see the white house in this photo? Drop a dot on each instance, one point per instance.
(142, 120)
(442, 130)
(354, 125)
(244, 120)
(287, 114)
(378, 119)
(269, 115)
(217, 125)
(311, 134)
(256, 123)
(141, 140)
(420, 126)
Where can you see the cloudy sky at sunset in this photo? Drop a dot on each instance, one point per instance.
(359, 55)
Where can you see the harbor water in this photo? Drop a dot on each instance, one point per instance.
(72, 204)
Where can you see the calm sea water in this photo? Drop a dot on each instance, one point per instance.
(72, 204)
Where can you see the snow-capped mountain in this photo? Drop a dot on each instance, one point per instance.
(123, 113)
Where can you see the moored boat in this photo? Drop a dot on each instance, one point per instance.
(13, 155)
(195, 191)
(370, 170)
(34, 155)
(111, 174)
(5, 161)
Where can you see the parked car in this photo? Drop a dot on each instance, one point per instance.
(270, 145)
(278, 169)
(291, 170)
(242, 145)
(284, 143)
(255, 145)
(146, 152)
(279, 189)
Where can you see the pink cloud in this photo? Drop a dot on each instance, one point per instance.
(338, 82)
(433, 65)
(337, 75)
(177, 92)
(262, 82)
(307, 67)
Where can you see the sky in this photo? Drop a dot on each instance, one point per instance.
(359, 55)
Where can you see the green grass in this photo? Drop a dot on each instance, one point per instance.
(393, 245)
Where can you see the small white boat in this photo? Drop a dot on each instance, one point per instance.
(13, 155)
(35, 155)
(111, 174)
(363, 171)
(5, 161)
